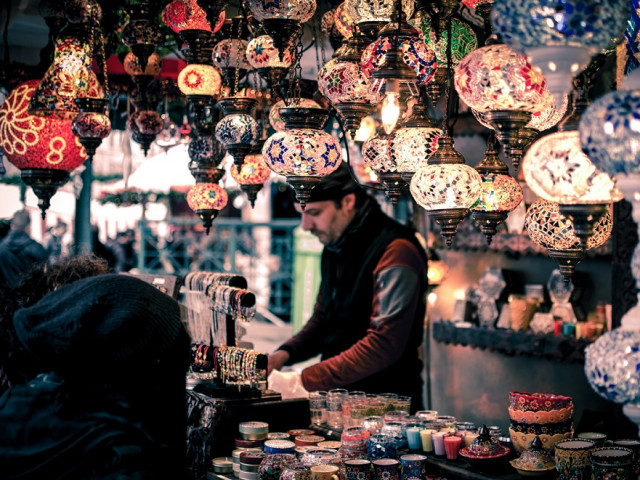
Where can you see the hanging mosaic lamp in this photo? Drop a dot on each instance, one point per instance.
(230, 56)
(499, 82)
(141, 33)
(546, 117)
(264, 57)
(397, 62)
(371, 15)
(446, 188)
(70, 76)
(144, 126)
(464, 41)
(238, 131)
(500, 195)
(252, 175)
(43, 148)
(560, 36)
(343, 23)
(92, 124)
(303, 152)
(275, 119)
(206, 199)
(282, 20)
(188, 15)
(547, 227)
(342, 82)
(411, 145)
(330, 30)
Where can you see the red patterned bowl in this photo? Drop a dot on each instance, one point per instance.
(490, 459)
(533, 402)
(521, 441)
(540, 416)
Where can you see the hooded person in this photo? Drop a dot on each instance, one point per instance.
(368, 320)
(113, 404)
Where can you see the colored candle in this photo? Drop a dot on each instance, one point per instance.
(438, 443)
(451, 446)
(427, 442)
(413, 438)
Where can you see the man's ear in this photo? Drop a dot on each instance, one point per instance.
(348, 202)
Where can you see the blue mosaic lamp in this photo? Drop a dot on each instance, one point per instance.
(560, 36)
(303, 152)
(238, 131)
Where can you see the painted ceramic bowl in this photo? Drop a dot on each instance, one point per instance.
(487, 459)
(523, 440)
(535, 458)
(528, 473)
(538, 401)
(542, 428)
(540, 416)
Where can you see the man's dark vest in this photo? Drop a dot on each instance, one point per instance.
(347, 293)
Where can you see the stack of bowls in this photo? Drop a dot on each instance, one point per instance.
(548, 416)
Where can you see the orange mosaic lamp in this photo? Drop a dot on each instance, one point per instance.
(206, 199)
(43, 148)
(251, 176)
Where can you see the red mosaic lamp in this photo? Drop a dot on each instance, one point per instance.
(252, 175)
(44, 148)
(92, 124)
(206, 199)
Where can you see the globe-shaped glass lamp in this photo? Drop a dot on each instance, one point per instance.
(182, 15)
(344, 82)
(556, 169)
(302, 153)
(199, 79)
(43, 148)
(300, 10)
(612, 363)
(560, 36)
(464, 39)
(276, 121)
(496, 77)
(92, 124)
(550, 229)
(375, 154)
(343, 22)
(206, 199)
(231, 53)
(411, 146)
(610, 132)
(251, 176)
(263, 55)
(237, 132)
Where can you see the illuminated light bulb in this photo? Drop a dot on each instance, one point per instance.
(390, 111)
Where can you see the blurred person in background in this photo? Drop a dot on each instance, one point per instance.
(18, 251)
(53, 240)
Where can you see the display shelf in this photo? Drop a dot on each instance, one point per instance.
(510, 342)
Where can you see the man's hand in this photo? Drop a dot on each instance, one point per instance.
(277, 359)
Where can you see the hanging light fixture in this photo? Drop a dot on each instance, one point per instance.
(397, 62)
(500, 83)
(545, 118)
(446, 188)
(500, 194)
(144, 126)
(70, 76)
(303, 152)
(264, 57)
(560, 37)
(411, 145)
(92, 124)
(464, 40)
(132, 65)
(238, 131)
(230, 54)
(43, 148)
(371, 15)
(188, 15)
(276, 121)
(252, 175)
(141, 33)
(206, 199)
(341, 80)
(282, 20)
(375, 155)
(547, 227)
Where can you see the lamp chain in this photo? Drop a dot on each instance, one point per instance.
(236, 75)
(447, 127)
(317, 29)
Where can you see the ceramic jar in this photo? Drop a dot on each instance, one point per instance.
(273, 465)
(572, 458)
(611, 463)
